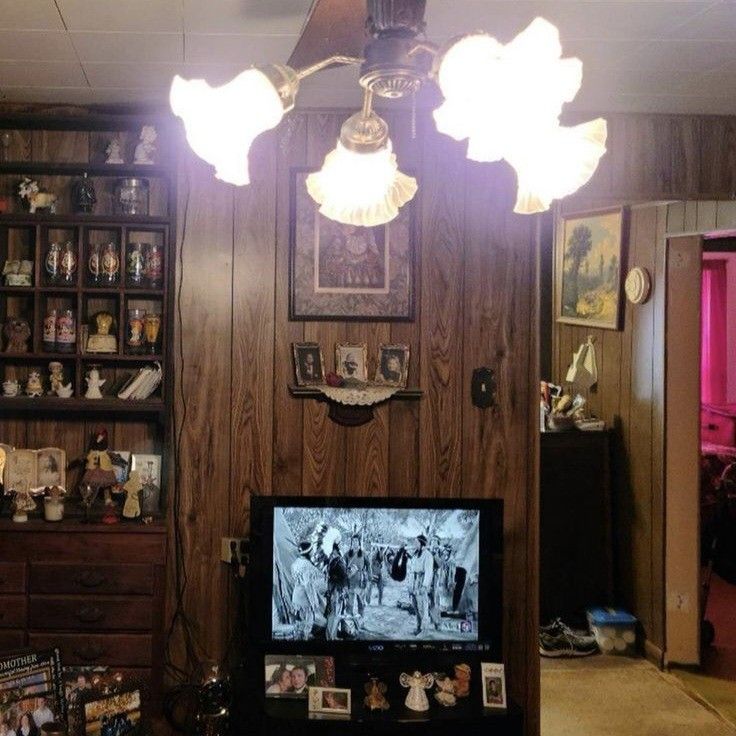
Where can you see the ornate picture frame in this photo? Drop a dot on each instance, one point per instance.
(392, 365)
(351, 360)
(590, 254)
(309, 363)
(346, 273)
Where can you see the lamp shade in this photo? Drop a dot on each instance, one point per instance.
(222, 122)
(506, 101)
(361, 188)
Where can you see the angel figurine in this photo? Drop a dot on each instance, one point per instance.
(132, 487)
(375, 695)
(416, 698)
(445, 694)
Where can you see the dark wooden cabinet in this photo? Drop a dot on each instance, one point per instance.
(575, 557)
(94, 591)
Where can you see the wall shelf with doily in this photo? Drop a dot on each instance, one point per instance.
(352, 415)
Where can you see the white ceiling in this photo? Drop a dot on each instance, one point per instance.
(660, 55)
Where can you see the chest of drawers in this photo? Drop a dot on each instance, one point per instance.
(96, 592)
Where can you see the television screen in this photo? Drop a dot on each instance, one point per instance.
(372, 573)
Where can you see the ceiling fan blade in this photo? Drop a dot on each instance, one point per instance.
(332, 27)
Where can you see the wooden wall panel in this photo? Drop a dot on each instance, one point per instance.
(254, 257)
(288, 416)
(204, 394)
(651, 158)
(442, 304)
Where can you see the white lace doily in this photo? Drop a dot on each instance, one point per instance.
(366, 396)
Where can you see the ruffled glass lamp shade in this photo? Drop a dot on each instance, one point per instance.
(222, 122)
(360, 182)
(506, 101)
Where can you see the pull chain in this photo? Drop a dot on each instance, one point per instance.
(414, 115)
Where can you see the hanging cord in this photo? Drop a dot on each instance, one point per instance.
(180, 621)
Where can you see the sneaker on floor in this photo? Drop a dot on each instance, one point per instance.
(553, 628)
(567, 644)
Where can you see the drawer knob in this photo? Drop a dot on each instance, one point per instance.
(90, 653)
(90, 579)
(90, 614)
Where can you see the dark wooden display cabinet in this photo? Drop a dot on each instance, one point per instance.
(94, 591)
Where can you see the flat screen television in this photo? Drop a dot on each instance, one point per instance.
(370, 574)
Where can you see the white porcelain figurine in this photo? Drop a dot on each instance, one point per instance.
(65, 392)
(113, 152)
(147, 146)
(94, 384)
(418, 684)
(11, 388)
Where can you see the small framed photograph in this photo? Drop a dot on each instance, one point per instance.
(330, 700)
(392, 368)
(289, 676)
(351, 361)
(115, 713)
(309, 363)
(120, 460)
(51, 467)
(149, 467)
(494, 685)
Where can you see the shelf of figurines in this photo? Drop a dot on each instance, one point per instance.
(90, 384)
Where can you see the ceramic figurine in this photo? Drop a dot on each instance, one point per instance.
(132, 488)
(17, 333)
(66, 391)
(11, 388)
(146, 147)
(416, 698)
(375, 695)
(34, 388)
(30, 194)
(102, 341)
(94, 383)
(113, 152)
(445, 694)
(84, 196)
(18, 273)
(462, 680)
(56, 377)
(23, 503)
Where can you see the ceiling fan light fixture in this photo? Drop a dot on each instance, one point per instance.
(222, 122)
(360, 183)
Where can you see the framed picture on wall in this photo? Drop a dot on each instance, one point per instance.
(590, 251)
(344, 272)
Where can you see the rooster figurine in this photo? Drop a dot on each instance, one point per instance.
(98, 471)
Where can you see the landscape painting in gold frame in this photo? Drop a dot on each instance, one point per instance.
(590, 250)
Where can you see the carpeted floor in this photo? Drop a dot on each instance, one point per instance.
(611, 696)
(715, 682)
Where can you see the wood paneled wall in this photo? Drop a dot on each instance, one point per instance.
(651, 158)
(243, 434)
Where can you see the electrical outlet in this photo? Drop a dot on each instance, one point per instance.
(233, 547)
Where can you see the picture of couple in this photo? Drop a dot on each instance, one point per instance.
(291, 677)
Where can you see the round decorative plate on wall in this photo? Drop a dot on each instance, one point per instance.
(638, 285)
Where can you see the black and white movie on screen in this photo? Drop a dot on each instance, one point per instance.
(388, 574)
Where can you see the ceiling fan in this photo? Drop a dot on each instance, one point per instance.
(505, 100)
